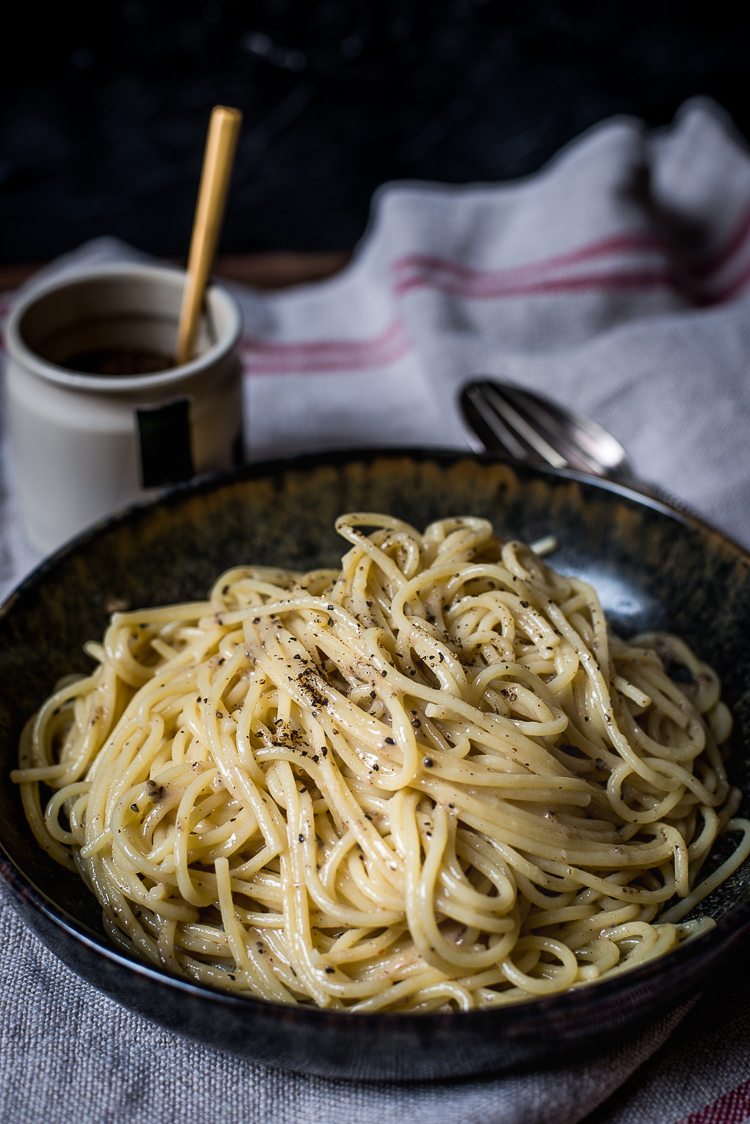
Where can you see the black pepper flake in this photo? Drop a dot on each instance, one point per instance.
(219, 713)
(376, 768)
(301, 838)
(524, 604)
(324, 751)
(373, 694)
(330, 608)
(586, 718)
(134, 807)
(428, 762)
(329, 970)
(384, 673)
(390, 741)
(416, 723)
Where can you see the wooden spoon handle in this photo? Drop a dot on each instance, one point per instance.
(218, 158)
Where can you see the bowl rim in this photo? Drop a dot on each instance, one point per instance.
(601, 993)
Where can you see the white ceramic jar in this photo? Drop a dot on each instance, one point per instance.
(85, 445)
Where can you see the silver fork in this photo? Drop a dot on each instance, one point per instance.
(526, 426)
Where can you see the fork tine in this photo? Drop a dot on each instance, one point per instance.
(518, 424)
(583, 442)
(512, 420)
(488, 425)
(572, 448)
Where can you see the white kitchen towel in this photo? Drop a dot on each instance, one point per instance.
(616, 280)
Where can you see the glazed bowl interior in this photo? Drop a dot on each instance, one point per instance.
(653, 567)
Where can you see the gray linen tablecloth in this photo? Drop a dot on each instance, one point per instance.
(618, 281)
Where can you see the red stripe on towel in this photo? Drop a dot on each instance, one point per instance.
(266, 357)
(548, 276)
(731, 1108)
(723, 255)
(602, 247)
(494, 286)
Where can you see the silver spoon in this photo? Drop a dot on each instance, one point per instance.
(528, 427)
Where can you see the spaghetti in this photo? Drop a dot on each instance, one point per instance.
(429, 780)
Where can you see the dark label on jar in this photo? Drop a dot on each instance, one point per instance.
(164, 435)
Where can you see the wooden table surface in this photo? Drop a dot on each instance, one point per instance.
(263, 271)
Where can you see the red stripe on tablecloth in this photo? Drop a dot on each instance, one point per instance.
(487, 286)
(731, 289)
(731, 1108)
(268, 357)
(414, 271)
(602, 247)
(733, 245)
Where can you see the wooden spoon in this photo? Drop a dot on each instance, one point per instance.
(221, 145)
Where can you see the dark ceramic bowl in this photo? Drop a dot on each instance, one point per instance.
(653, 567)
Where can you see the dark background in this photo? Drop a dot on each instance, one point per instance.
(104, 109)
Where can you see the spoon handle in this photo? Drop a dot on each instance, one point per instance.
(221, 145)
